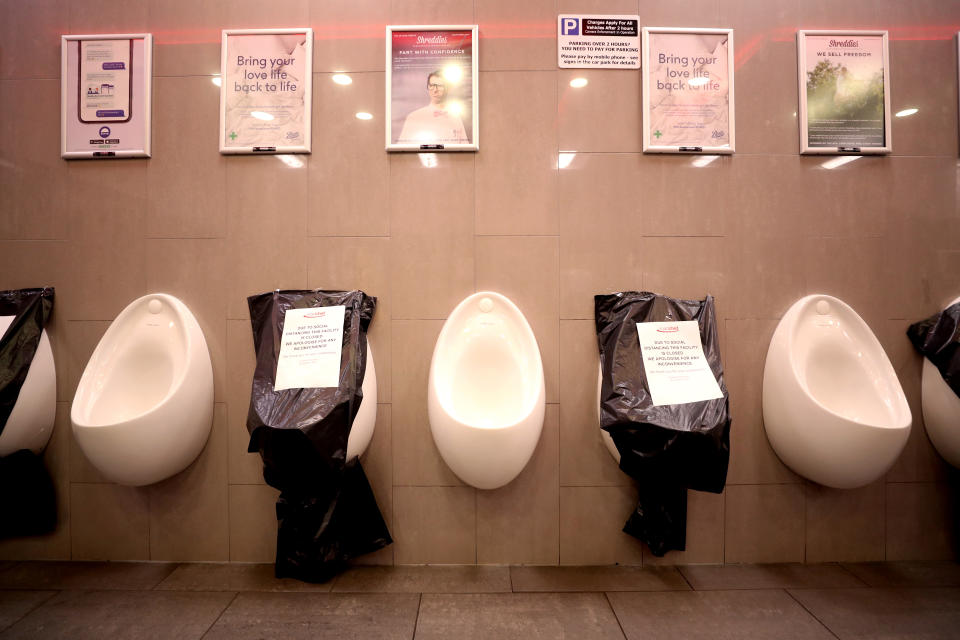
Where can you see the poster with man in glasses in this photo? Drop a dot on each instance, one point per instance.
(431, 88)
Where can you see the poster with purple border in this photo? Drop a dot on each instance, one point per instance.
(105, 89)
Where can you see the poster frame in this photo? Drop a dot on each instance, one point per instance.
(140, 87)
(307, 145)
(805, 148)
(474, 144)
(650, 146)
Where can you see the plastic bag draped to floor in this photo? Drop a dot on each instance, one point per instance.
(326, 512)
(27, 497)
(668, 448)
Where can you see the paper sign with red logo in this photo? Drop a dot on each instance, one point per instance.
(310, 348)
(677, 371)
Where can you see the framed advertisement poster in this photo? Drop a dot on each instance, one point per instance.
(432, 88)
(844, 79)
(688, 90)
(105, 87)
(266, 92)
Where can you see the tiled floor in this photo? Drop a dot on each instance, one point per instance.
(140, 600)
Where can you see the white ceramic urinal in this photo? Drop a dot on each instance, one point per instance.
(607, 439)
(485, 396)
(144, 406)
(941, 411)
(361, 431)
(30, 424)
(833, 407)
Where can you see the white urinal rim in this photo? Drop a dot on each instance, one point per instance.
(186, 316)
(792, 316)
(529, 338)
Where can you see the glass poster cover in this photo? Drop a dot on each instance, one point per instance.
(688, 90)
(844, 85)
(265, 92)
(105, 88)
(432, 88)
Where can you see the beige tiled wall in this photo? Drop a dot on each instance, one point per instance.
(756, 230)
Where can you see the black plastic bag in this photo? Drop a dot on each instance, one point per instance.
(326, 511)
(18, 345)
(938, 339)
(667, 449)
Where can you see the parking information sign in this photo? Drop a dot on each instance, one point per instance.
(598, 42)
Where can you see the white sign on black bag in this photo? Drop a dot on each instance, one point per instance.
(677, 370)
(310, 348)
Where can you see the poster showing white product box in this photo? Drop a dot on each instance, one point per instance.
(310, 348)
(688, 90)
(265, 90)
(598, 42)
(677, 370)
(105, 85)
(844, 92)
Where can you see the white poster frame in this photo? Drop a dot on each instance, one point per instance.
(805, 147)
(306, 147)
(650, 146)
(140, 97)
(473, 143)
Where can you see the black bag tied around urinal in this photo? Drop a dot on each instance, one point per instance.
(666, 448)
(326, 511)
(31, 309)
(938, 339)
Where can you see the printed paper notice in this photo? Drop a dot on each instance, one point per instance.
(598, 42)
(310, 348)
(677, 370)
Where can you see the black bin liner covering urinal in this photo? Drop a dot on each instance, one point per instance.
(27, 497)
(938, 338)
(669, 448)
(326, 512)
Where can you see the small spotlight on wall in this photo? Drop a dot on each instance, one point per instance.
(578, 83)
(342, 78)
(565, 158)
(216, 80)
(363, 115)
(906, 112)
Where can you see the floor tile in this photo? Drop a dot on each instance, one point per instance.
(715, 614)
(233, 577)
(891, 614)
(86, 575)
(907, 574)
(317, 615)
(597, 579)
(523, 616)
(436, 579)
(140, 615)
(768, 576)
(16, 604)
